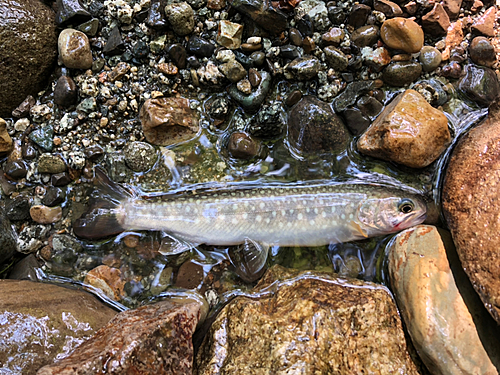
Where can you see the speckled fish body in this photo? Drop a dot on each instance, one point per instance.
(310, 215)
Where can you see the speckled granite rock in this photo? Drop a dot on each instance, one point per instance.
(308, 324)
(41, 321)
(409, 131)
(439, 306)
(153, 339)
(28, 50)
(470, 203)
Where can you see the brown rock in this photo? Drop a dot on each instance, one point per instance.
(28, 50)
(45, 215)
(454, 37)
(216, 4)
(41, 321)
(229, 34)
(5, 139)
(470, 205)
(486, 23)
(166, 121)
(168, 69)
(334, 36)
(404, 34)
(74, 49)
(387, 7)
(118, 71)
(436, 305)
(154, 339)
(482, 51)
(436, 22)
(243, 146)
(313, 127)
(107, 279)
(409, 131)
(452, 7)
(313, 323)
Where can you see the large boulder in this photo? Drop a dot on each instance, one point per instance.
(39, 322)
(28, 50)
(471, 194)
(309, 324)
(447, 322)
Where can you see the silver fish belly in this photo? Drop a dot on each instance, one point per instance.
(310, 215)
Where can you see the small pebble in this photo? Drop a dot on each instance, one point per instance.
(140, 156)
(244, 86)
(482, 51)
(402, 33)
(365, 36)
(53, 196)
(45, 215)
(293, 98)
(49, 163)
(243, 146)
(254, 77)
(295, 37)
(74, 49)
(229, 34)
(430, 58)
(181, 18)
(65, 92)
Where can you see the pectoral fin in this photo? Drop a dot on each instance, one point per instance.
(171, 245)
(357, 227)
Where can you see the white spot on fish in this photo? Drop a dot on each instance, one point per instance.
(323, 213)
(188, 208)
(316, 211)
(274, 213)
(312, 222)
(291, 211)
(245, 216)
(342, 217)
(351, 216)
(234, 220)
(262, 205)
(258, 218)
(267, 220)
(299, 216)
(235, 206)
(308, 209)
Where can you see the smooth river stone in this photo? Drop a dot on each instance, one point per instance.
(439, 306)
(307, 323)
(402, 33)
(409, 131)
(74, 49)
(471, 194)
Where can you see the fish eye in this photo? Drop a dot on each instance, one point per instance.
(406, 206)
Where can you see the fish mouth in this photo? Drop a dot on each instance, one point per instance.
(410, 221)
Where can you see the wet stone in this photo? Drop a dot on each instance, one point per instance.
(8, 239)
(218, 107)
(436, 22)
(451, 331)
(233, 71)
(244, 86)
(305, 25)
(229, 34)
(248, 332)
(94, 153)
(359, 15)
(178, 54)
(432, 90)
(74, 49)
(116, 166)
(261, 12)
(409, 113)
(258, 58)
(65, 92)
(181, 18)
(485, 24)
(140, 50)
(36, 313)
(254, 77)
(336, 14)
(200, 47)
(243, 146)
(369, 105)
(403, 34)
(355, 121)
(18, 209)
(253, 101)
(24, 108)
(401, 73)
(166, 121)
(317, 12)
(114, 44)
(351, 93)
(293, 98)
(335, 58)
(16, 169)
(29, 151)
(295, 37)
(387, 7)
(289, 52)
(118, 72)
(334, 36)
(313, 127)
(140, 156)
(45, 215)
(480, 84)
(25, 269)
(365, 36)
(452, 70)
(71, 11)
(155, 18)
(160, 343)
(49, 163)
(482, 51)
(53, 196)
(60, 179)
(89, 28)
(304, 68)
(430, 58)
(269, 123)
(189, 276)
(377, 59)
(452, 7)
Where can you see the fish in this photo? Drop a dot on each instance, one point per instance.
(308, 214)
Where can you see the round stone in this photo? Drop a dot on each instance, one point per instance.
(430, 58)
(181, 17)
(482, 51)
(65, 92)
(140, 156)
(401, 73)
(243, 146)
(336, 59)
(49, 163)
(45, 215)
(365, 36)
(28, 50)
(403, 34)
(74, 49)
(304, 68)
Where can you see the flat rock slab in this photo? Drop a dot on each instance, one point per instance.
(39, 322)
(471, 196)
(153, 339)
(447, 322)
(307, 324)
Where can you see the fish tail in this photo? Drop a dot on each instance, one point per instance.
(100, 220)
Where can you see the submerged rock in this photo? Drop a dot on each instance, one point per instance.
(470, 205)
(167, 121)
(8, 238)
(314, 128)
(408, 131)
(28, 50)
(41, 321)
(311, 323)
(154, 339)
(480, 84)
(441, 310)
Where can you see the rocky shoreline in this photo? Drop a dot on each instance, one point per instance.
(174, 96)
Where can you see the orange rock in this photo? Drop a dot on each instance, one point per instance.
(436, 22)
(108, 280)
(452, 7)
(454, 37)
(409, 131)
(402, 33)
(485, 24)
(168, 69)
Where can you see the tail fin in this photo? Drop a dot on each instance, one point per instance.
(100, 220)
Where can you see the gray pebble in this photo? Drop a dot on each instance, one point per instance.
(140, 156)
